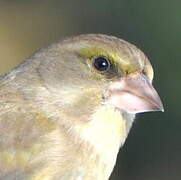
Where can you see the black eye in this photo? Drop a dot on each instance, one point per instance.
(101, 63)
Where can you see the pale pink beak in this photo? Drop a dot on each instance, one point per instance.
(134, 94)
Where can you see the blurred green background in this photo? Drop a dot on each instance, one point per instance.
(153, 148)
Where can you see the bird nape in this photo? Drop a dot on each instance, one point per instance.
(67, 109)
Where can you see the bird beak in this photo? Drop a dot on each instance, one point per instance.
(134, 94)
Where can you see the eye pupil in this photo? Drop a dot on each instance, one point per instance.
(101, 64)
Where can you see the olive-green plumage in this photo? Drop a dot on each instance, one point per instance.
(54, 122)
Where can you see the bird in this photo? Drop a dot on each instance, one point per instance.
(67, 110)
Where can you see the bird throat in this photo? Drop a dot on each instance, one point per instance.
(99, 140)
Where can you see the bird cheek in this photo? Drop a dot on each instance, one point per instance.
(133, 94)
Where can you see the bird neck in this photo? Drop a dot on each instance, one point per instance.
(99, 140)
(85, 150)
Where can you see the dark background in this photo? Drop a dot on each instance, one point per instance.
(153, 148)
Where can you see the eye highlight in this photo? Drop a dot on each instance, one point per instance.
(101, 63)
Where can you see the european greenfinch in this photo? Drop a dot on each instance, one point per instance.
(67, 109)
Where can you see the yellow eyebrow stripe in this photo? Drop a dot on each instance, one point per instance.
(122, 62)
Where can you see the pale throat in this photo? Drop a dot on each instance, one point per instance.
(103, 135)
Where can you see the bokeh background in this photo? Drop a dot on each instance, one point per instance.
(153, 148)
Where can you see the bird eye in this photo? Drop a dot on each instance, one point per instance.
(101, 63)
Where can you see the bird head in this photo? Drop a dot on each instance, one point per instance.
(91, 70)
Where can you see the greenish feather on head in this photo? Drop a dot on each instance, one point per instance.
(124, 66)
